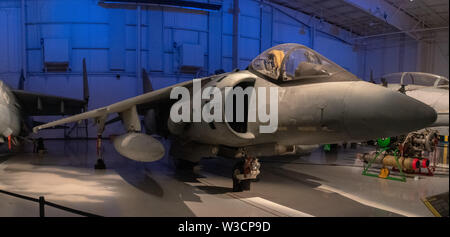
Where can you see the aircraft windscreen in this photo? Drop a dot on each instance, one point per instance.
(416, 78)
(443, 82)
(269, 62)
(288, 62)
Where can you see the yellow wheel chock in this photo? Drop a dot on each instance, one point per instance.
(384, 173)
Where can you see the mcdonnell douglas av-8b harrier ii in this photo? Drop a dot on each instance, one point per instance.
(298, 95)
(429, 88)
(18, 106)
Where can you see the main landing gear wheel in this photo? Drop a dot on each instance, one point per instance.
(244, 172)
(240, 185)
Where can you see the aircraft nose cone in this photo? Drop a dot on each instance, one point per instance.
(381, 112)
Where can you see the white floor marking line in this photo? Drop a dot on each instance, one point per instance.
(277, 207)
(366, 202)
(261, 203)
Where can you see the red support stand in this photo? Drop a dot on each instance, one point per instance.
(9, 143)
(430, 172)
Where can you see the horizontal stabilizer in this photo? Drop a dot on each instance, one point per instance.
(37, 104)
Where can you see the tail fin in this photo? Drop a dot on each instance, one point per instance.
(21, 81)
(146, 83)
(85, 83)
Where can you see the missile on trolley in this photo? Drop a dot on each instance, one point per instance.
(405, 163)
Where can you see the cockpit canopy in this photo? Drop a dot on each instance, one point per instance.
(416, 78)
(287, 62)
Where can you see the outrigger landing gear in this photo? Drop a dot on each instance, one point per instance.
(100, 165)
(244, 172)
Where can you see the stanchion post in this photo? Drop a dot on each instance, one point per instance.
(41, 207)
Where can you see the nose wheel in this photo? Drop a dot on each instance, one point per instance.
(244, 171)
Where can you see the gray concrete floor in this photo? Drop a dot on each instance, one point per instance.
(316, 185)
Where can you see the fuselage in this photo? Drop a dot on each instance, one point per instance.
(318, 113)
(314, 101)
(10, 116)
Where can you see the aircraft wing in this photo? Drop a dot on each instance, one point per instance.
(144, 100)
(36, 104)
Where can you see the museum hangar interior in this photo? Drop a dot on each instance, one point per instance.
(356, 123)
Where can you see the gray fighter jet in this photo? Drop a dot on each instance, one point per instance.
(318, 102)
(18, 106)
(429, 88)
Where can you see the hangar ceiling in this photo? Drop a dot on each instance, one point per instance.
(431, 13)
(368, 18)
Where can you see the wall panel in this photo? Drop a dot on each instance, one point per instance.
(107, 38)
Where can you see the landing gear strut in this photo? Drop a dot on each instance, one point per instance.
(244, 172)
(100, 165)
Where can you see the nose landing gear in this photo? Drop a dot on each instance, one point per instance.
(244, 172)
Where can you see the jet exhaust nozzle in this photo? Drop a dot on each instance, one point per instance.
(139, 147)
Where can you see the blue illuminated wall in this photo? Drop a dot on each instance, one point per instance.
(107, 38)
